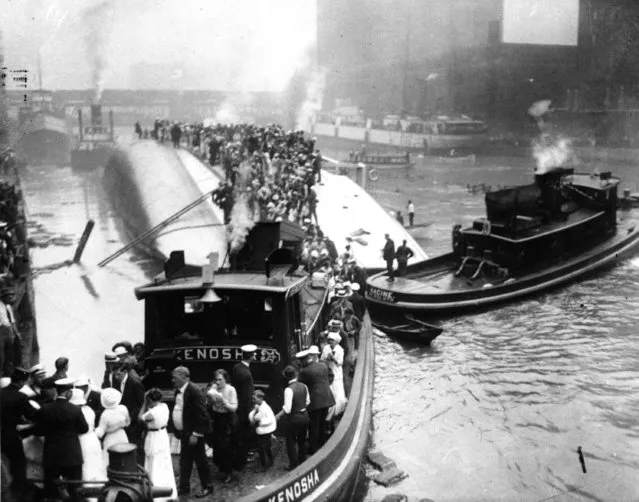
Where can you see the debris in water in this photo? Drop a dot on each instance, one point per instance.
(390, 475)
(582, 460)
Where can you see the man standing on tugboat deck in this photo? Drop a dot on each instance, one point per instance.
(61, 423)
(388, 254)
(296, 402)
(315, 377)
(242, 380)
(403, 254)
(191, 422)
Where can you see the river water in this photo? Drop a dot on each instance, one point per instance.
(495, 409)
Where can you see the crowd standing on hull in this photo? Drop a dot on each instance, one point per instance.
(231, 417)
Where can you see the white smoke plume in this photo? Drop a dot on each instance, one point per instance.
(233, 109)
(98, 21)
(551, 154)
(315, 87)
(550, 150)
(241, 223)
(242, 214)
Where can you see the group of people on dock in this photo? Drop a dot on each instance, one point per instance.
(15, 308)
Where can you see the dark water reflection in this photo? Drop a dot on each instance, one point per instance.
(494, 410)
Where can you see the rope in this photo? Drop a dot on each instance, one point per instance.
(120, 478)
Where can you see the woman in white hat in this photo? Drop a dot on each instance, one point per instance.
(333, 356)
(113, 420)
(93, 467)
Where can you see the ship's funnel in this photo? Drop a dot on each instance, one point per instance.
(96, 115)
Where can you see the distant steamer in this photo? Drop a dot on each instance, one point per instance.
(43, 132)
(95, 141)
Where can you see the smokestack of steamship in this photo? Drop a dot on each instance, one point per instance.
(95, 140)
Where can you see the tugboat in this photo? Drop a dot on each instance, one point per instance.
(95, 142)
(43, 132)
(199, 317)
(533, 237)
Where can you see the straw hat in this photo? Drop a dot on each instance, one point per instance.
(313, 350)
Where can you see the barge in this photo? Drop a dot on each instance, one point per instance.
(533, 237)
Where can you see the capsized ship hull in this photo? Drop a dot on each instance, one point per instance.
(147, 184)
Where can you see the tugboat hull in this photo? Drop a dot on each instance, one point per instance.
(445, 293)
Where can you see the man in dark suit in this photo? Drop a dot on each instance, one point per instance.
(110, 380)
(61, 423)
(388, 254)
(132, 390)
(191, 422)
(358, 302)
(15, 407)
(242, 381)
(315, 377)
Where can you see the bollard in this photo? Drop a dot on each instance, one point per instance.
(127, 480)
(83, 241)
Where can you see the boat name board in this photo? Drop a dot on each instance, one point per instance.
(382, 295)
(298, 489)
(226, 353)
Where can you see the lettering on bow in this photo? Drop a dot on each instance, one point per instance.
(298, 489)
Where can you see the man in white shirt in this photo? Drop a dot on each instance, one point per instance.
(411, 212)
(262, 417)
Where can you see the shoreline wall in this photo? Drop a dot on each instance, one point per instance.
(19, 270)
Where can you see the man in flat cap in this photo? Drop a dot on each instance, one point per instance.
(61, 423)
(15, 408)
(242, 380)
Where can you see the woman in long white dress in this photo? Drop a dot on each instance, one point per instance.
(93, 468)
(157, 447)
(333, 356)
(113, 420)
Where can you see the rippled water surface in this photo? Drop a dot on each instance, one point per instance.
(494, 410)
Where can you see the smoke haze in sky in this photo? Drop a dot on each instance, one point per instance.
(204, 44)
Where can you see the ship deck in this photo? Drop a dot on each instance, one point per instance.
(436, 277)
(250, 479)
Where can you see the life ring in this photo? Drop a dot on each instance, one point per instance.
(372, 175)
(485, 227)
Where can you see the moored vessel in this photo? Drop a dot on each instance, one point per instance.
(199, 317)
(95, 141)
(533, 237)
(43, 133)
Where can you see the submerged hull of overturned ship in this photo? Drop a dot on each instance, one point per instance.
(534, 238)
(148, 185)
